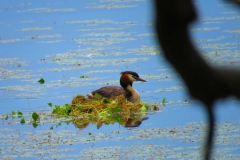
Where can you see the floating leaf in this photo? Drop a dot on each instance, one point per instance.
(143, 108)
(50, 104)
(68, 122)
(51, 128)
(79, 106)
(118, 109)
(56, 109)
(64, 110)
(35, 116)
(105, 101)
(13, 113)
(84, 77)
(118, 118)
(6, 118)
(163, 101)
(41, 81)
(97, 95)
(19, 114)
(59, 124)
(22, 121)
(34, 125)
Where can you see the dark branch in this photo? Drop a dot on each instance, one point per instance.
(210, 138)
(204, 83)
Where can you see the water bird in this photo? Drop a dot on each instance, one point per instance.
(126, 80)
(134, 122)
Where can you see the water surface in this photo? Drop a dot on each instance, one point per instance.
(61, 41)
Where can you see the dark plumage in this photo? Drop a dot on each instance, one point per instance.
(109, 91)
(126, 80)
(130, 72)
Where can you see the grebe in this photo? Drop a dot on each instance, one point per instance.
(126, 80)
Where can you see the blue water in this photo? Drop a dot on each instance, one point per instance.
(47, 39)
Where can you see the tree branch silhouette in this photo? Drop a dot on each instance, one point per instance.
(204, 82)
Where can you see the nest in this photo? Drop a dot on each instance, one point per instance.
(108, 111)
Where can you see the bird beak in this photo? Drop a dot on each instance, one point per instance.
(140, 79)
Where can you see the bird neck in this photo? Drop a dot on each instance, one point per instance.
(129, 88)
(131, 94)
(125, 83)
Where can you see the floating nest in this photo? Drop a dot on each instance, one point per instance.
(107, 111)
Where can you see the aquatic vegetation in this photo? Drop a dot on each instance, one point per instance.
(83, 111)
(101, 111)
(47, 10)
(79, 53)
(101, 71)
(58, 143)
(34, 119)
(111, 6)
(170, 89)
(163, 101)
(41, 81)
(35, 29)
(147, 50)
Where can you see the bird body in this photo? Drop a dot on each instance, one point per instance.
(109, 91)
(126, 80)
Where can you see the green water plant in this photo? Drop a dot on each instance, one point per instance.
(163, 101)
(41, 81)
(107, 111)
(22, 121)
(83, 111)
(84, 77)
(34, 117)
(101, 111)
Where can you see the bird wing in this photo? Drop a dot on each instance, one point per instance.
(109, 91)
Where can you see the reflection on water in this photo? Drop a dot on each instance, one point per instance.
(64, 41)
(132, 121)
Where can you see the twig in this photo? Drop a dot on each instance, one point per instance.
(29, 105)
(210, 138)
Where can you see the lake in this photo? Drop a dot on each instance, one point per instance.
(80, 46)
